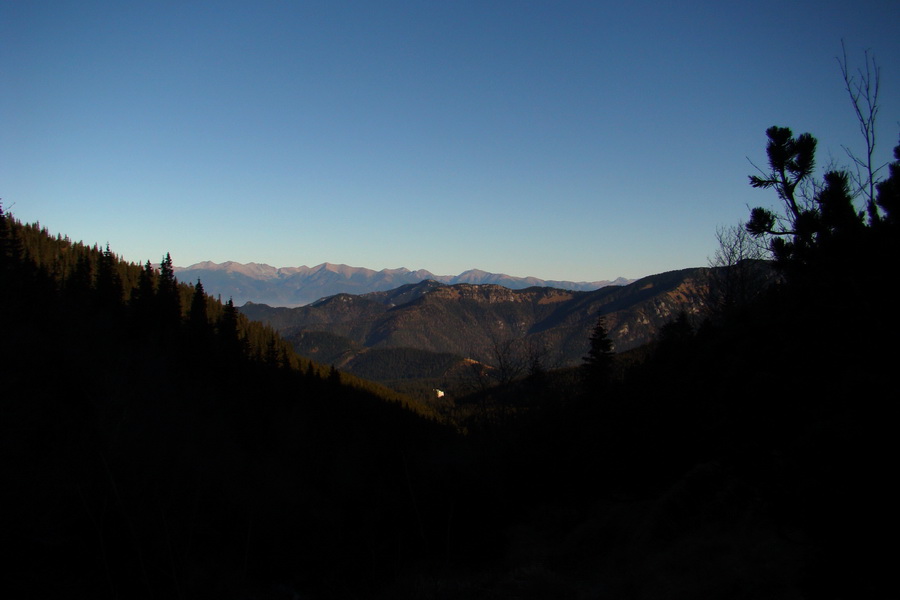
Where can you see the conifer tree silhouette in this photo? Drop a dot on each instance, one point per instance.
(888, 195)
(198, 314)
(142, 296)
(109, 284)
(810, 219)
(598, 362)
(168, 298)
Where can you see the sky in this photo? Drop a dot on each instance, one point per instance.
(566, 140)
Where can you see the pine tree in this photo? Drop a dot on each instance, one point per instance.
(888, 198)
(228, 322)
(198, 317)
(167, 294)
(9, 257)
(796, 235)
(311, 372)
(142, 296)
(598, 362)
(80, 282)
(9, 247)
(273, 354)
(109, 284)
(230, 340)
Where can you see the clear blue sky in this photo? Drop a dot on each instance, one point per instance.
(563, 140)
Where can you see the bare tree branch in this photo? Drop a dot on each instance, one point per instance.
(863, 88)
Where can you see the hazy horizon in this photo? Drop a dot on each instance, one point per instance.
(402, 267)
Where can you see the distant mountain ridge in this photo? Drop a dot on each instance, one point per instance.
(299, 286)
(471, 320)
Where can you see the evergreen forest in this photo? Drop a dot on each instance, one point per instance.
(157, 444)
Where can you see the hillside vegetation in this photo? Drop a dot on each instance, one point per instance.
(157, 445)
(501, 328)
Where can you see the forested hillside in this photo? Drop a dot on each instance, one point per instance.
(494, 325)
(155, 447)
(156, 444)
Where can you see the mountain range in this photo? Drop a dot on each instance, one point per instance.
(299, 286)
(491, 324)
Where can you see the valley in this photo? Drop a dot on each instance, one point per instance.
(435, 331)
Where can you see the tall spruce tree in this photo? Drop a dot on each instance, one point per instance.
(598, 362)
(142, 296)
(228, 333)
(167, 294)
(198, 316)
(108, 284)
(9, 253)
(79, 284)
(9, 258)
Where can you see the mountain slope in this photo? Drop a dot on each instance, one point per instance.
(297, 286)
(186, 454)
(478, 321)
